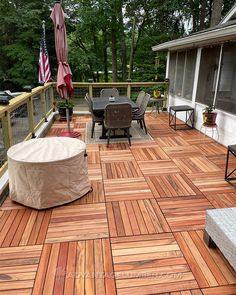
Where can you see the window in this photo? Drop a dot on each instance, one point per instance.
(181, 73)
(207, 75)
(189, 74)
(226, 95)
(172, 71)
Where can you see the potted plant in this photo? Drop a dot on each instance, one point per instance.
(62, 105)
(158, 90)
(209, 116)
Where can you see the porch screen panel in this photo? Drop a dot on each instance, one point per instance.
(226, 95)
(179, 73)
(189, 74)
(207, 75)
(171, 77)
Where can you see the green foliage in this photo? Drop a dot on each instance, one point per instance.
(64, 104)
(208, 109)
(97, 30)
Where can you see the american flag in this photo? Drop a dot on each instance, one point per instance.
(44, 67)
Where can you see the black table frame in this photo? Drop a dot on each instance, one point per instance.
(99, 104)
(232, 150)
(189, 118)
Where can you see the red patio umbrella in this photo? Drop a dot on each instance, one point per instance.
(64, 74)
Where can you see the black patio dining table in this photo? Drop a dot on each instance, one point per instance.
(99, 104)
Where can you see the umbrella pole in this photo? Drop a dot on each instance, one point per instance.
(67, 116)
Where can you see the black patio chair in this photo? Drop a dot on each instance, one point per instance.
(109, 92)
(140, 98)
(140, 113)
(96, 118)
(118, 116)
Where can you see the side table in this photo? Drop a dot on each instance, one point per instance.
(156, 104)
(189, 118)
(232, 150)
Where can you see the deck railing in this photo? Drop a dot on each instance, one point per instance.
(25, 114)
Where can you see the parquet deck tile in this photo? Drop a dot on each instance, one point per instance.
(149, 153)
(186, 292)
(154, 167)
(155, 133)
(198, 139)
(186, 213)
(207, 264)
(171, 141)
(127, 218)
(18, 267)
(172, 185)
(114, 146)
(23, 227)
(195, 165)
(211, 182)
(220, 161)
(79, 267)
(211, 149)
(150, 266)
(126, 189)
(94, 196)
(77, 222)
(148, 201)
(8, 204)
(121, 169)
(226, 200)
(225, 290)
(183, 151)
(116, 156)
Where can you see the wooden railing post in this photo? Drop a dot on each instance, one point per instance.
(52, 100)
(7, 130)
(129, 88)
(30, 108)
(90, 87)
(43, 105)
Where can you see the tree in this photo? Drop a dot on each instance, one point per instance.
(217, 7)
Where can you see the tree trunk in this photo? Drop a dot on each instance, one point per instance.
(203, 14)
(131, 60)
(105, 62)
(216, 12)
(123, 44)
(114, 55)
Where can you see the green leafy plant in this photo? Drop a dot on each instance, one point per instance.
(208, 109)
(64, 104)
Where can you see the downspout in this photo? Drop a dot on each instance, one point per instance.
(218, 74)
(196, 76)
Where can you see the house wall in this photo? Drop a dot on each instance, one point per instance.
(226, 122)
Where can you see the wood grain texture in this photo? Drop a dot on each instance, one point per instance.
(18, 267)
(207, 264)
(23, 227)
(186, 213)
(148, 205)
(127, 218)
(79, 267)
(126, 189)
(77, 222)
(172, 185)
(150, 267)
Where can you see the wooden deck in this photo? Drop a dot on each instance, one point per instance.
(140, 231)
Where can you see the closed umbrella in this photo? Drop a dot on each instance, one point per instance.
(64, 74)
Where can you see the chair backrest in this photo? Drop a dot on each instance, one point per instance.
(118, 115)
(109, 92)
(89, 102)
(143, 106)
(140, 98)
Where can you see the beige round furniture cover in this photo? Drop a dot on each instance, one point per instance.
(47, 172)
